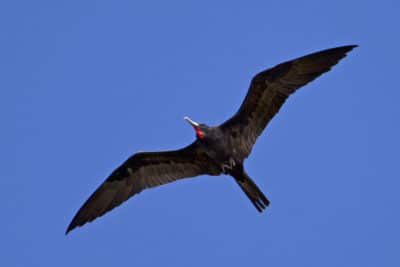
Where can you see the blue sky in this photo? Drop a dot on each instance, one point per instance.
(87, 83)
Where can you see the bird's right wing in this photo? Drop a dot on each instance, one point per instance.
(268, 91)
(143, 170)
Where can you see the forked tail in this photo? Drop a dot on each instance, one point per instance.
(256, 196)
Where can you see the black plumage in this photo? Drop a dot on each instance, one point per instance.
(216, 150)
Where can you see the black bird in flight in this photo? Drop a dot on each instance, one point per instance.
(216, 150)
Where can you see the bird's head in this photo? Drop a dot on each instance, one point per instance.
(200, 128)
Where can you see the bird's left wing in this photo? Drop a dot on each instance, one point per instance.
(143, 170)
(270, 88)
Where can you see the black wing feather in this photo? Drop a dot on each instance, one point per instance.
(268, 91)
(143, 170)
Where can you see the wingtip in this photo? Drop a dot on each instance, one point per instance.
(69, 229)
(348, 48)
(343, 48)
(351, 47)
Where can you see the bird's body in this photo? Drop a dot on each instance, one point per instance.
(217, 150)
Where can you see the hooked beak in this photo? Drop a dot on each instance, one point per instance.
(192, 122)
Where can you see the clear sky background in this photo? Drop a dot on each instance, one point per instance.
(84, 84)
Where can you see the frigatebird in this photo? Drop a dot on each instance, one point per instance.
(217, 149)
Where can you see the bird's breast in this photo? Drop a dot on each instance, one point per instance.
(221, 152)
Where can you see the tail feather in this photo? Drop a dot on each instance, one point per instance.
(256, 196)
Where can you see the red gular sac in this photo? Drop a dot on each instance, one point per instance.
(199, 132)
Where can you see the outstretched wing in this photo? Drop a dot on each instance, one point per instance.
(142, 170)
(268, 91)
